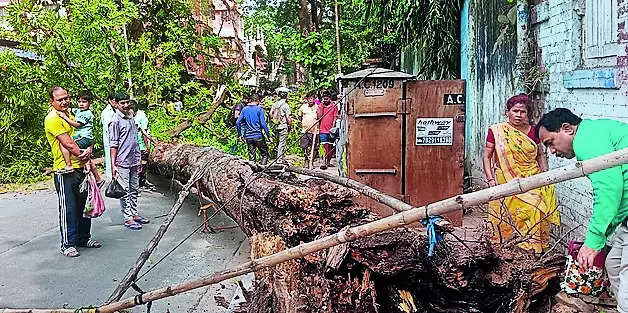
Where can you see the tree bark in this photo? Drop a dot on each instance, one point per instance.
(366, 275)
(304, 18)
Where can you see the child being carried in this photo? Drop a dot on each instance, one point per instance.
(83, 136)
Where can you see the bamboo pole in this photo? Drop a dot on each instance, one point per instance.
(131, 275)
(337, 20)
(310, 164)
(373, 193)
(413, 215)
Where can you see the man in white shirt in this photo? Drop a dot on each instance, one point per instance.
(280, 113)
(309, 128)
(106, 116)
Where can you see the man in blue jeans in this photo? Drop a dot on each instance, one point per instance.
(126, 160)
(250, 124)
(75, 229)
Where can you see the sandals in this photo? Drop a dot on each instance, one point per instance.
(70, 252)
(91, 244)
(141, 220)
(133, 225)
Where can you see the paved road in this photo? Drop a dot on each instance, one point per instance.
(34, 274)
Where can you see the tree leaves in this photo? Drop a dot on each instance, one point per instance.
(82, 46)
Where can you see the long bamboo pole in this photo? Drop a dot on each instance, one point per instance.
(131, 275)
(413, 215)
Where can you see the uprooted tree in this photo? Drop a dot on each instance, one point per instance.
(386, 272)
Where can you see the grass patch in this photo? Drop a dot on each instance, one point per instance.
(46, 184)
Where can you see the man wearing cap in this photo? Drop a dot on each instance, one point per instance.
(280, 113)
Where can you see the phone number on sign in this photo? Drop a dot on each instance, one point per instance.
(433, 140)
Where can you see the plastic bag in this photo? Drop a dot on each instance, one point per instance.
(95, 205)
(591, 282)
(84, 187)
(114, 189)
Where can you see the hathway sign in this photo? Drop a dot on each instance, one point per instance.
(434, 131)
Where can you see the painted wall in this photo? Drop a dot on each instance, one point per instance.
(489, 77)
(590, 87)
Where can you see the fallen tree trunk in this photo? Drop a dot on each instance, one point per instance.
(370, 272)
(386, 272)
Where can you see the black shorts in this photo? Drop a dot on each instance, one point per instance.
(306, 140)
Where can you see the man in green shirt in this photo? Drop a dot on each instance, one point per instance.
(567, 135)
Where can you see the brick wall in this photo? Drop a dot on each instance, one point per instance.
(592, 88)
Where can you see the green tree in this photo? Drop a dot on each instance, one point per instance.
(303, 32)
(86, 45)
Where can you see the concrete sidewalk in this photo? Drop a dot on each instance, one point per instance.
(34, 274)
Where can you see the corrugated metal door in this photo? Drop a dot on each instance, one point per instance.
(434, 154)
(374, 148)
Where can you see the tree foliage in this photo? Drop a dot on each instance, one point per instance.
(368, 29)
(83, 45)
(431, 27)
(314, 47)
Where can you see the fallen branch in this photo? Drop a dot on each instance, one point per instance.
(131, 275)
(517, 186)
(373, 193)
(219, 98)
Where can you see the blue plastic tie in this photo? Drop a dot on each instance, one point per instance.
(434, 233)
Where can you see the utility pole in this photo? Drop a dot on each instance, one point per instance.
(128, 61)
(338, 37)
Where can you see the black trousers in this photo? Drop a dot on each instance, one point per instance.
(257, 144)
(75, 229)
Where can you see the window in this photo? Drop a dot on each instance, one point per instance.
(601, 28)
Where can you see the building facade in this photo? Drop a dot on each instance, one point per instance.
(580, 48)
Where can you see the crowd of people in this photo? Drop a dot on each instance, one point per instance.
(317, 117)
(126, 142)
(69, 132)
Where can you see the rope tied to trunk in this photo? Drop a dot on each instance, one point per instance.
(434, 232)
(138, 298)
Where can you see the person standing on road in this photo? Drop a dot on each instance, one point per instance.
(567, 135)
(280, 113)
(126, 160)
(141, 120)
(327, 114)
(75, 229)
(250, 124)
(106, 116)
(309, 127)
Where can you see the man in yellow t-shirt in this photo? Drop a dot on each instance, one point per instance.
(75, 229)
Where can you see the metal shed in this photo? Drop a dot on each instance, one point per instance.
(404, 137)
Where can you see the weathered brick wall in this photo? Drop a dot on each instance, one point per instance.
(592, 88)
(558, 25)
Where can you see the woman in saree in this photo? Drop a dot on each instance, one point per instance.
(512, 151)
